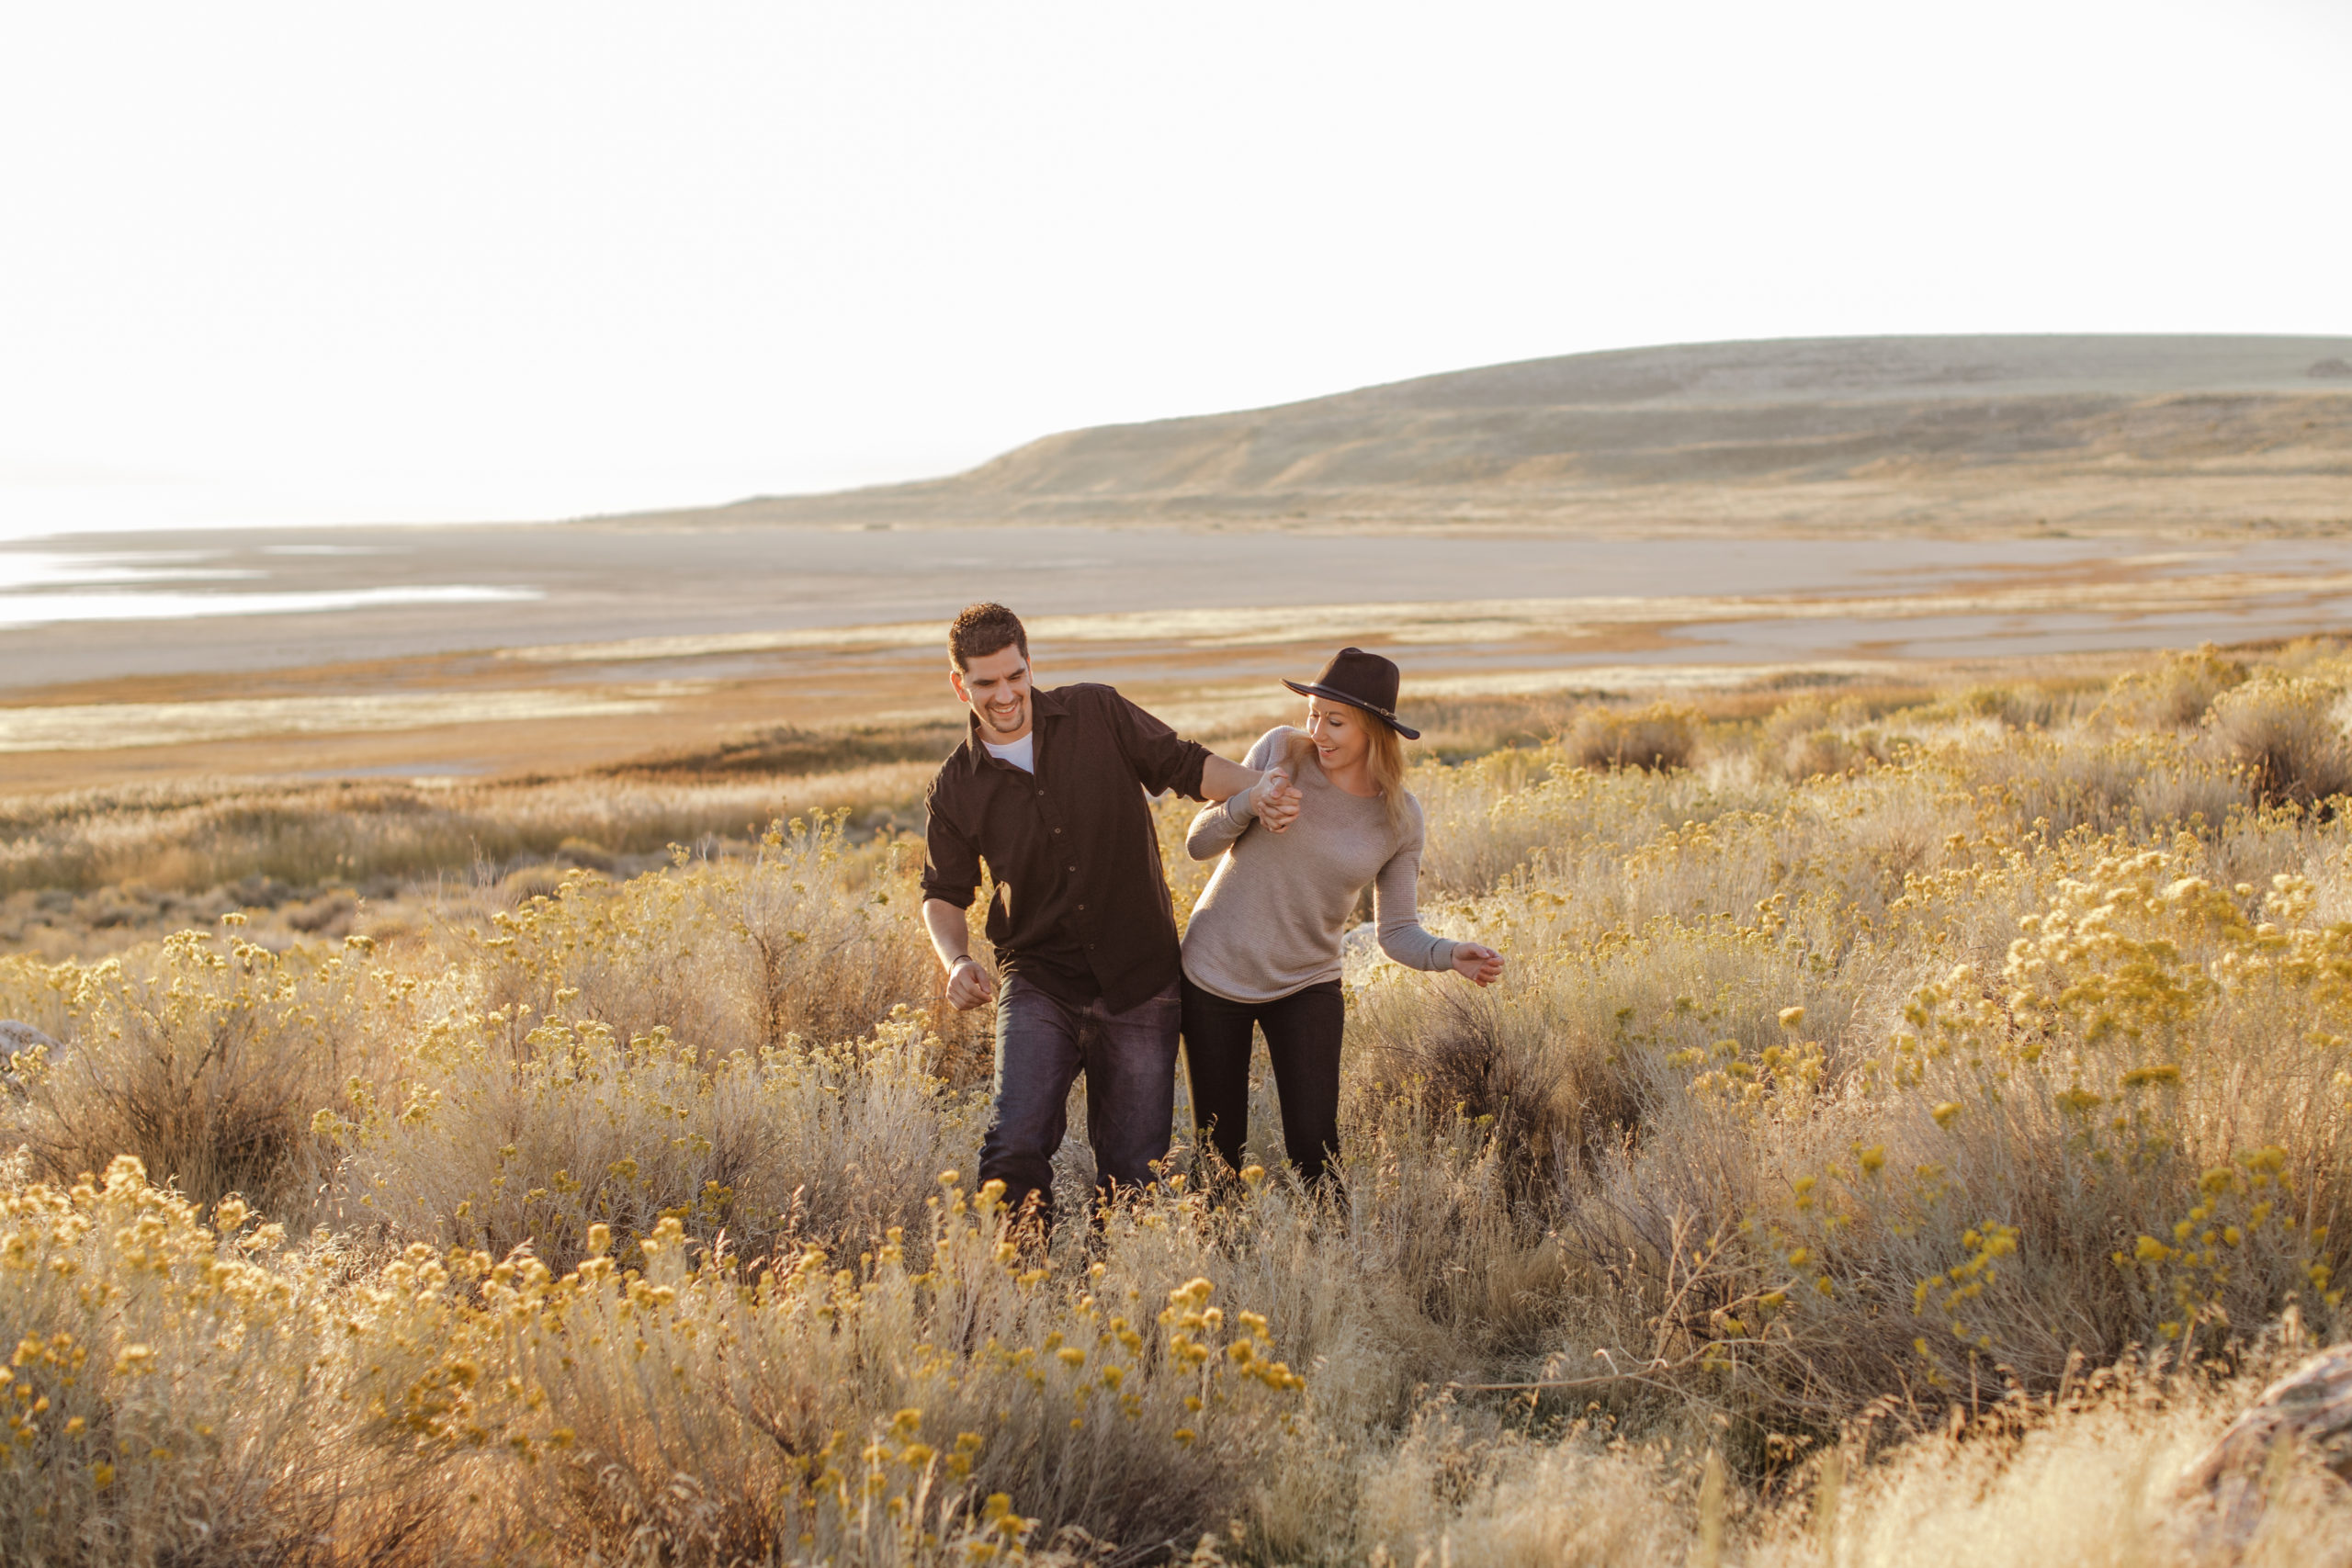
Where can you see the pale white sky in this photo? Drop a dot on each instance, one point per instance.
(376, 262)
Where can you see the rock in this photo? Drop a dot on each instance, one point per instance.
(2310, 1409)
(16, 1037)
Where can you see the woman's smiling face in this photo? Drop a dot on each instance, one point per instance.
(1338, 733)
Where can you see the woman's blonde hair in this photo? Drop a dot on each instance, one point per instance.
(1385, 757)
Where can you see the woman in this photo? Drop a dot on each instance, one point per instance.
(1264, 944)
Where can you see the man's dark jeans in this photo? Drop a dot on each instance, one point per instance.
(1129, 1060)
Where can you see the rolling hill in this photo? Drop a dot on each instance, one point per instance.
(1932, 433)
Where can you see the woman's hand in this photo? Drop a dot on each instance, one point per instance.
(1483, 964)
(1274, 800)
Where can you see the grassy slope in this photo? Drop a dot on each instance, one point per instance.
(1814, 435)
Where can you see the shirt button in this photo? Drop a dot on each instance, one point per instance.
(1081, 906)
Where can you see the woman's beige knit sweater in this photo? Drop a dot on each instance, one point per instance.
(1272, 917)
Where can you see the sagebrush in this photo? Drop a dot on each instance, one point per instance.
(1858, 1163)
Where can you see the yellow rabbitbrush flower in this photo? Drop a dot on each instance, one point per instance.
(2108, 958)
(2241, 1222)
(1952, 1292)
(2048, 1070)
(160, 1359)
(618, 1266)
(568, 1131)
(439, 1357)
(210, 1061)
(1044, 1384)
(2141, 957)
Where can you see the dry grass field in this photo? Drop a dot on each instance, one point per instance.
(1915, 1119)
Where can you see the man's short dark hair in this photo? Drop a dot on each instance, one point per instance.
(983, 629)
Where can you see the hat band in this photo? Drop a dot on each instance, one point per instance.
(1364, 703)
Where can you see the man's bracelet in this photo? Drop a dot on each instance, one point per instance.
(961, 958)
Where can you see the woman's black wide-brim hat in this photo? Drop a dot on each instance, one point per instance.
(1362, 681)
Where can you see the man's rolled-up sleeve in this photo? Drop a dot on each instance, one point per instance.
(1161, 758)
(951, 866)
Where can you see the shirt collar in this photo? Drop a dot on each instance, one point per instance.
(1042, 705)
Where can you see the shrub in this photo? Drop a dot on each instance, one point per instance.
(1485, 819)
(1448, 1491)
(1812, 753)
(2286, 735)
(173, 1395)
(193, 838)
(2155, 782)
(580, 851)
(810, 937)
(183, 1393)
(1809, 1111)
(208, 1063)
(2089, 1480)
(818, 1409)
(2131, 1139)
(500, 1137)
(1659, 738)
(2026, 705)
(2179, 691)
(1578, 1066)
(1811, 738)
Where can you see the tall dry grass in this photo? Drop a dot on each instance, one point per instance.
(205, 835)
(1866, 1111)
(205, 1061)
(1657, 737)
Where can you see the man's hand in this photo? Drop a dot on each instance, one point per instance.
(1274, 800)
(1483, 964)
(969, 983)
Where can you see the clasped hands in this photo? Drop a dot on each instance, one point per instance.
(1273, 800)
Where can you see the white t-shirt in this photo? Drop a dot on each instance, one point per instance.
(1021, 753)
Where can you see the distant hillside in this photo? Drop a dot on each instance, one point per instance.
(2107, 433)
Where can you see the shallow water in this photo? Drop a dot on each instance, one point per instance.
(256, 599)
(45, 587)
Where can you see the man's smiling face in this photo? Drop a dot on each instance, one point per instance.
(996, 687)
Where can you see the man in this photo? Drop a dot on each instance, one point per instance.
(1048, 789)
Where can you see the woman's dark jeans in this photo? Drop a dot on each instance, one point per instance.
(1129, 1060)
(1302, 1034)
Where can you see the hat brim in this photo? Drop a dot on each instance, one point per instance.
(1307, 689)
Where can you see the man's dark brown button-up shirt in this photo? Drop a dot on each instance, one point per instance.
(1080, 907)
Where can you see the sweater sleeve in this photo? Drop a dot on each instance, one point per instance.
(1216, 826)
(1395, 908)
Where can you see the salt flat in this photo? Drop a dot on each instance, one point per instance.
(1697, 516)
(640, 637)
(619, 592)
